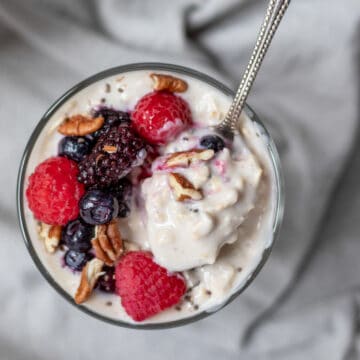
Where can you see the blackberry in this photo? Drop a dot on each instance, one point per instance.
(106, 282)
(111, 116)
(114, 155)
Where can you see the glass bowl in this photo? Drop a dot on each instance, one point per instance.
(21, 204)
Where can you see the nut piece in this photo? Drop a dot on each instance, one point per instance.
(168, 82)
(90, 273)
(185, 158)
(183, 189)
(108, 244)
(110, 149)
(51, 234)
(79, 125)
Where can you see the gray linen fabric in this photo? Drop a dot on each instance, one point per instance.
(305, 303)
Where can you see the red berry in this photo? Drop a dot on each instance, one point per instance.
(145, 287)
(160, 116)
(54, 192)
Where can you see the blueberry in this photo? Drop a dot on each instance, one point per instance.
(98, 207)
(106, 282)
(77, 235)
(76, 260)
(74, 148)
(213, 142)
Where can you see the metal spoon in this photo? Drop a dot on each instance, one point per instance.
(275, 12)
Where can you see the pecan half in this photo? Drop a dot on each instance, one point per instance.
(185, 158)
(182, 188)
(90, 273)
(51, 234)
(168, 82)
(108, 244)
(80, 125)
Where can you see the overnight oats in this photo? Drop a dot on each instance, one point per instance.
(137, 209)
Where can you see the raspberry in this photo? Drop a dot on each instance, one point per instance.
(114, 155)
(160, 116)
(53, 191)
(145, 287)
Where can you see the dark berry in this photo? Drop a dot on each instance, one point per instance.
(213, 142)
(74, 148)
(122, 192)
(123, 210)
(77, 235)
(112, 117)
(103, 167)
(106, 282)
(98, 207)
(76, 260)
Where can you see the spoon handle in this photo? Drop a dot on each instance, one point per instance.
(275, 12)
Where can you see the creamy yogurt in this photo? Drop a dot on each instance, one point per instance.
(229, 185)
(216, 242)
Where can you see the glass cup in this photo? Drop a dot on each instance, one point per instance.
(22, 180)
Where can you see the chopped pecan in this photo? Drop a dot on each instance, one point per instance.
(108, 244)
(110, 149)
(184, 158)
(182, 188)
(80, 125)
(89, 275)
(168, 82)
(51, 235)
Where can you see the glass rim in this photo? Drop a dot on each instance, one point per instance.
(82, 85)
